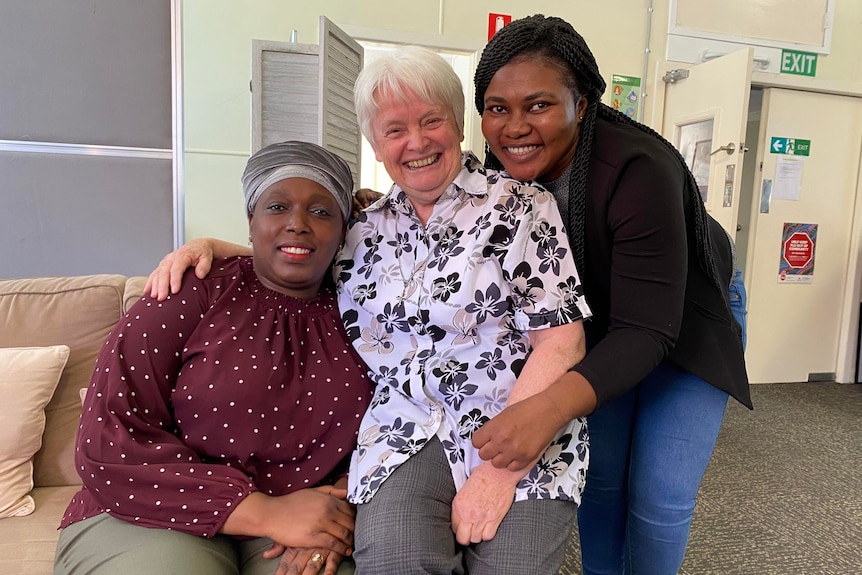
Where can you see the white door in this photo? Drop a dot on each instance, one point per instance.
(796, 331)
(705, 116)
(801, 331)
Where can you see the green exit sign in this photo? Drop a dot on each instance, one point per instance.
(790, 146)
(798, 63)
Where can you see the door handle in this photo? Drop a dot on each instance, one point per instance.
(729, 148)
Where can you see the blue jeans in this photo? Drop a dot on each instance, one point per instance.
(648, 452)
(738, 301)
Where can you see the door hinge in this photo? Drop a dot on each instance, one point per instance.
(675, 75)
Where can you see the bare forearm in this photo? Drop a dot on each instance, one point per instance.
(315, 517)
(572, 396)
(504, 476)
(544, 400)
(223, 249)
(247, 518)
(569, 397)
(555, 351)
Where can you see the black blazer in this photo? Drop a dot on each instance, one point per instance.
(650, 299)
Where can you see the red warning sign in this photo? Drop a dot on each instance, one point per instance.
(798, 250)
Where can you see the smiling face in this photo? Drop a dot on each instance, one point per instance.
(530, 119)
(419, 145)
(296, 228)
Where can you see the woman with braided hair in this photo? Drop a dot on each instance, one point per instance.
(665, 343)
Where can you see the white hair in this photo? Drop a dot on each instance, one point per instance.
(408, 69)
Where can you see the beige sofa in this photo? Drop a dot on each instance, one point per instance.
(78, 312)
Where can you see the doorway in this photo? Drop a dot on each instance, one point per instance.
(802, 293)
(800, 328)
(749, 171)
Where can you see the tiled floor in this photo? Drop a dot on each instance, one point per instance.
(783, 492)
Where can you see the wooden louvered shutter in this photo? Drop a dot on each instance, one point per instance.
(305, 92)
(341, 61)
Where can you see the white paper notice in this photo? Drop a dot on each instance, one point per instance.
(788, 178)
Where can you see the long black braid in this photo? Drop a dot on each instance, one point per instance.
(556, 41)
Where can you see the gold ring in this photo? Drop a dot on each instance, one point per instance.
(317, 558)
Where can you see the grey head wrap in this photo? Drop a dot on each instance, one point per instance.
(285, 160)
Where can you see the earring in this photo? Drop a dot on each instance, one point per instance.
(580, 118)
(249, 239)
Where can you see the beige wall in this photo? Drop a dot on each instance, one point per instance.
(217, 38)
(844, 63)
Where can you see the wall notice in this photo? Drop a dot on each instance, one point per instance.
(797, 253)
(625, 94)
(788, 178)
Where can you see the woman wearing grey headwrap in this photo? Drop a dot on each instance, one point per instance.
(218, 427)
(284, 160)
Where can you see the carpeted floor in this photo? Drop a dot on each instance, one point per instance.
(783, 492)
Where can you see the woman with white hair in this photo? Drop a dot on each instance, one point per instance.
(458, 290)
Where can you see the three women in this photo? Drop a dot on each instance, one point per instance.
(664, 345)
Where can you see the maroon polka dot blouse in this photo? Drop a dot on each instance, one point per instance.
(221, 390)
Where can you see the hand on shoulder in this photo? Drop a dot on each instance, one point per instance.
(199, 253)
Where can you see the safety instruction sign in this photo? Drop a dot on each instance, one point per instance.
(790, 146)
(798, 242)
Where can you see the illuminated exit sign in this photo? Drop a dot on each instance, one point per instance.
(798, 63)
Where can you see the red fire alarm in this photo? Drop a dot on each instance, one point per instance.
(496, 22)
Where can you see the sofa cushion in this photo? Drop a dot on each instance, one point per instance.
(28, 377)
(134, 290)
(27, 543)
(75, 311)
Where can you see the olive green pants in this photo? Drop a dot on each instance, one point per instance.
(106, 545)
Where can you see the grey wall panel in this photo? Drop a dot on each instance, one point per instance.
(86, 72)
(75, 215)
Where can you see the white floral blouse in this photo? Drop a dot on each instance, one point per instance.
(440, 313)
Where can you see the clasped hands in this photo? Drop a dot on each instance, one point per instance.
(304, 560)
(312, 530)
